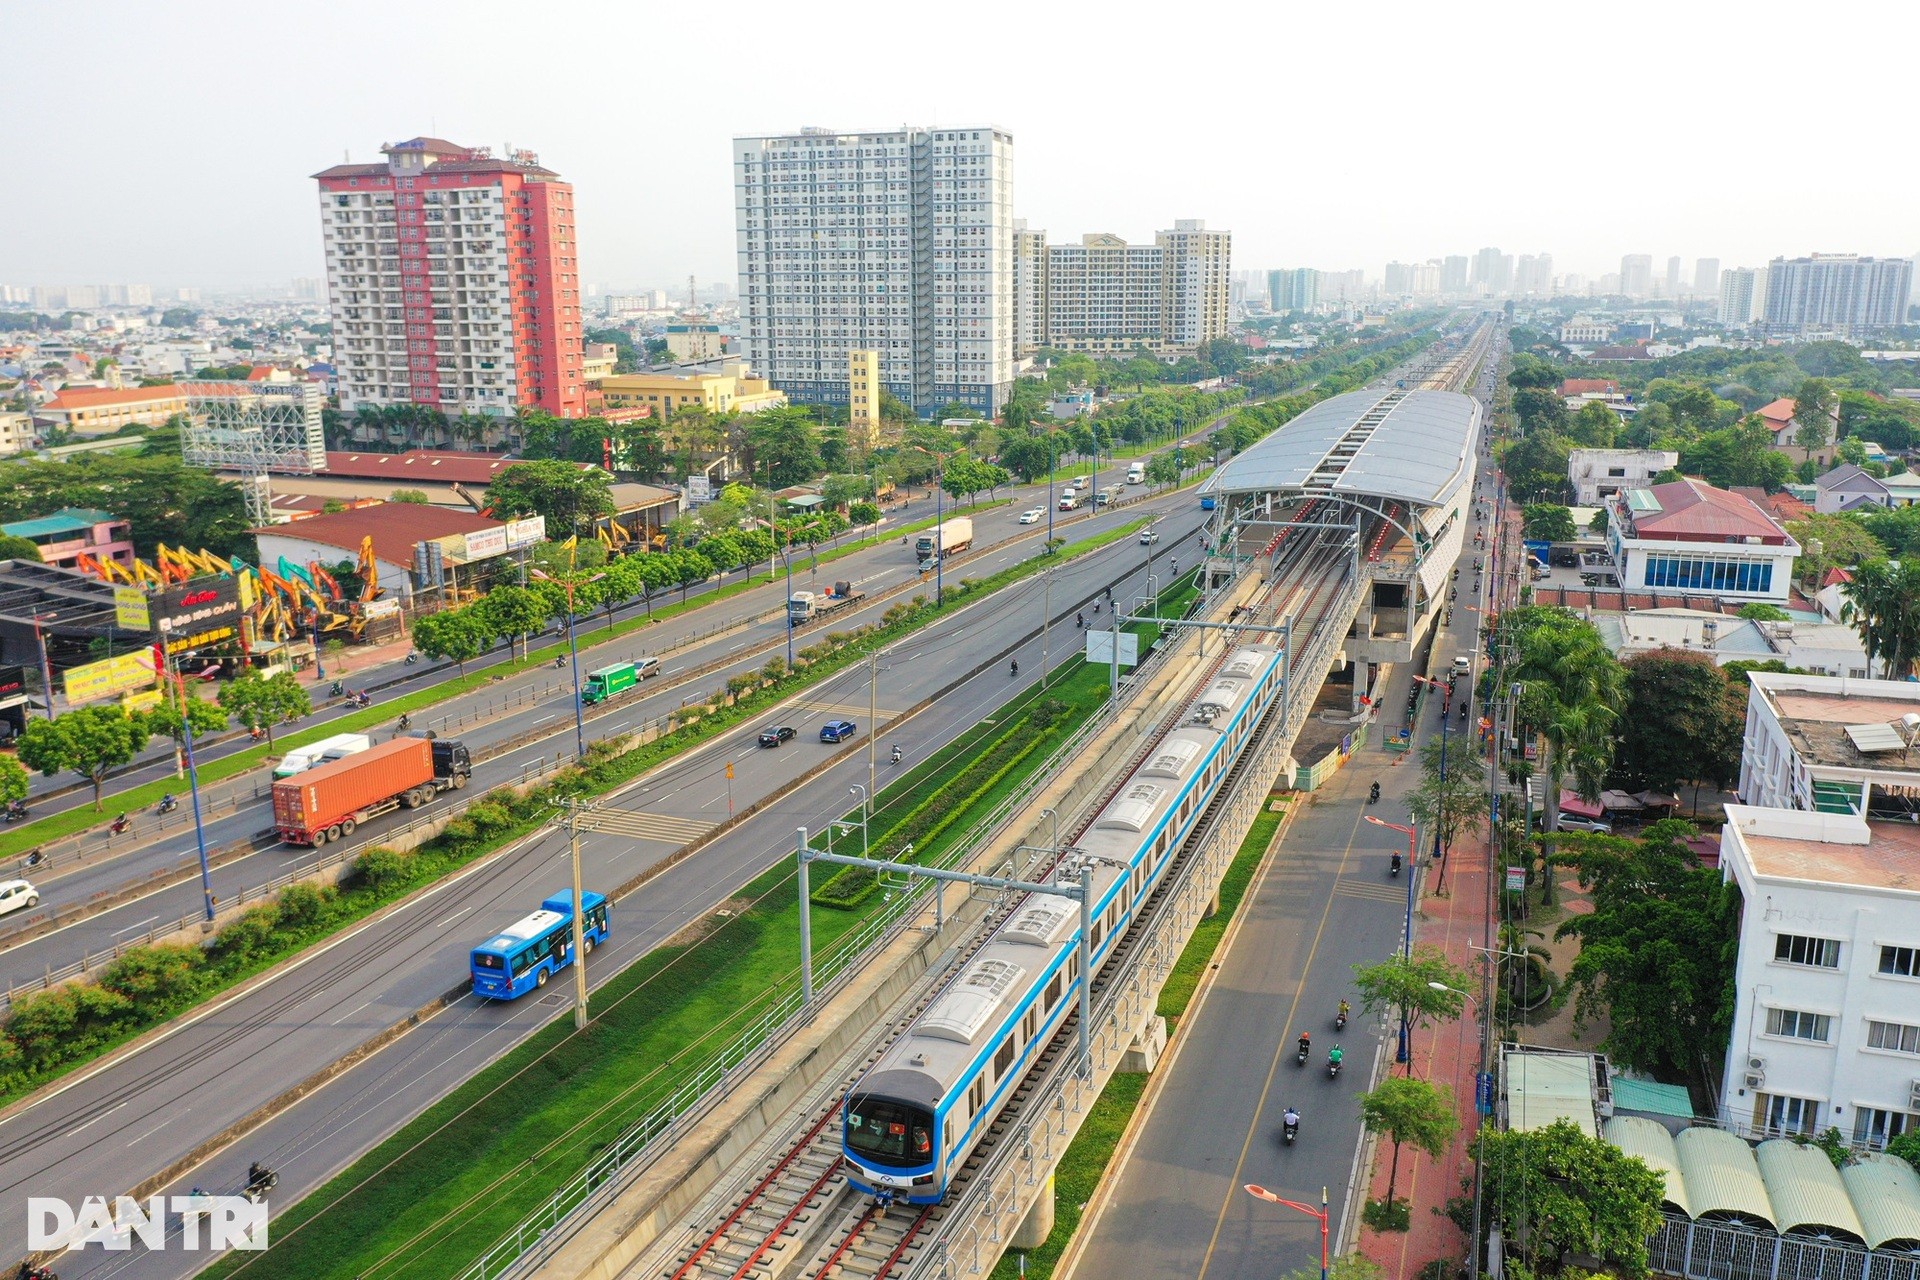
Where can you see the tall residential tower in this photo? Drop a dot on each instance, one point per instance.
(454, 281)
(1835, 294)
(899, 242)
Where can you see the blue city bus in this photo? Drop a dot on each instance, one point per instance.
(524, 955)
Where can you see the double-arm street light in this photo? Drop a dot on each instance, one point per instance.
(1261, 1193)
(1446, 718)
(1474, 1249)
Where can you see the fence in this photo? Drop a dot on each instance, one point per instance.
(253, 895)
(1715, 1251)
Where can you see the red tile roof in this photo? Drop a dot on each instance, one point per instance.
(1694, 511)
(422, 466)
(1780, 410)
(1588, 387)
(394, 526)
(98, 397)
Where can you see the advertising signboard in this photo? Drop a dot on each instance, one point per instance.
(130, 612)
(204, 604)
(524, 533)
(485, 543)
(109, 678)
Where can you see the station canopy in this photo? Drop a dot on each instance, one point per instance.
(1407, 446)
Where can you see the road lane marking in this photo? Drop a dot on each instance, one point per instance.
(1375, 892)
(666, 827)
(349, 1013)
(157, 1128)
(455, 916)
(96, 1120)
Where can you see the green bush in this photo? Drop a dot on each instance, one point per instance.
(161, 974)
(249, 935)
(381, 869)
(304, 905)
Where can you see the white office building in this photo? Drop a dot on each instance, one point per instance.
(1029, 288)
(1834, 745)
(1111, 298)
(1826, 1021)
(1689, 536)
(1743, 292)
(897, 241)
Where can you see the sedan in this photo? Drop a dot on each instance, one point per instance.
(775, 736)
(837, 730)
(17, 894)
(1033, 515)
(1149, 536)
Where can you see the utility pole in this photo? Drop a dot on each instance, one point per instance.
(574, 809)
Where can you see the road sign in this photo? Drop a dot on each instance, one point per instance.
(1516, 879)
(1100, 648)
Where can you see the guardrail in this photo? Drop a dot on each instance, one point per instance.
(253, 895)
(645, 1140)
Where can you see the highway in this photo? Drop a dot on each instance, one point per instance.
(539, 699)
(1172, 1202)
(108, 1128)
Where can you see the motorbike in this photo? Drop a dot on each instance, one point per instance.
(406, 722)
(1013, 668)
(361, 700)
(1300, 1055)
(260, 1180)
(1396, 864)
(16, 812)
(256, 735)
(560, 663)
(1292, 1131)
(412, 658)
(120, 825)
(1373, 794)
(337, 688)
(30, 1272)
(895, 757)
(168, 804)
(1333, 1067)
(1340, 1020)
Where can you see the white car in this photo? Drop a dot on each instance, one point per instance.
(1033, 516)
(1149, 536)
(15, 894)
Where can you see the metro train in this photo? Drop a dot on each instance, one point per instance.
(913, 1117)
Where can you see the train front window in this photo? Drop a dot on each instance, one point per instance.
(889, 1133)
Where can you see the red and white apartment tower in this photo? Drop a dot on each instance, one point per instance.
(453, 280)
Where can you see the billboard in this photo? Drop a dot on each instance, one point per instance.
(524, 533)
(110, 678)
(1100, 648)
(13, 681)
(202, 605)
(483, 544)
(130, 612)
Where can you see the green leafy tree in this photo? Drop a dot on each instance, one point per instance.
(161, 497)
(458, 635)
(1594, 427)
(1547, 522)
(1556, 1190)
(1409, 1111)
(1907, 1147)
(1405, 986)
(261, 702)
(1454, 797)
(1679, 724)
(785, 443)
(1882, 603)
(1841, 541)
(1540, 410)
(1815, 405)
(864, 513)
(90, 741)
(1536, 467)
(414, 497)
(12, 548)
(1168, 466)
(1740, 455)
(1760, 611)
(166, 721)
(569, 496)
(513, 611)
(15, 781)
(1656, 952)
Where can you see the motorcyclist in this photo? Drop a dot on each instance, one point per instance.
(168, 803)
(1334, 1055)
(1306, 1043)
(1290, 1118)
(896, 753)
(1013, 668)
(1344, 1011)
(256, 1174)
(406, 721)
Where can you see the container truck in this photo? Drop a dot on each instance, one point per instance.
(1136, 473)
(338, 747)
(329, 800)
(804, 606)
(948, 538)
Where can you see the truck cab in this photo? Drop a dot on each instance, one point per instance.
(452, 760)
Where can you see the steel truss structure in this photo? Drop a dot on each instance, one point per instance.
(254, 428)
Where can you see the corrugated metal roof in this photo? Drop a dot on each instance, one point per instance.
(1649, 1140)
(1420, 452)
(1886, 1194)
(1807, 1194)
(1648, 1095)
(1722, 1179)
(1545, 1087)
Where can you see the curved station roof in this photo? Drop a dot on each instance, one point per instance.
(1414, 447)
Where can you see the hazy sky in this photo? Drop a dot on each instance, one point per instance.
(174, 143)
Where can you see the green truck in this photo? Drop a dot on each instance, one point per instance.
(618, 678)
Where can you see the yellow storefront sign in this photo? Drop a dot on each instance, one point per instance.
(98, 680)
(130, 610)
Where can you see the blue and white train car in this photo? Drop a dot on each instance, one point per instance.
(913, 1117)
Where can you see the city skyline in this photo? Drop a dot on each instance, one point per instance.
(119, 198)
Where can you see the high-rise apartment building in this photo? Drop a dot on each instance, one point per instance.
(1107, 296)
(1636, 275)
(453, 281)
(1492, 271)
(1294, 289)
(1029, 288)
(1673, 276)
(1398, 280)
(1835, 293)
(1453, 274)
(897, 241)
(1533, 275)
(1706, 278)
(1742, 293)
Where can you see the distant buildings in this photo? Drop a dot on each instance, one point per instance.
(896, 241)
(863, 397)
(1673, 276)
(101, 411)
(454, 281)
(695, 340)
(1837, 295)
(1743, 291)
(1296, 289)
(1706, 278)
(1598, 474)
(1690, 536)
(1111, 298)
(1636, 275)
(1453, 274)
(1492, 271)
(1847, 487)
(1533, 275)
(734, 389)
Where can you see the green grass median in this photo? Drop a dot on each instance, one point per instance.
(431, 1199)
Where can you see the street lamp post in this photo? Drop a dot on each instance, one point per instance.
(1261, 1193)
(865, 815)
(1473, 1253)
(1446, 717)
(193, 782)
(1405, 1051)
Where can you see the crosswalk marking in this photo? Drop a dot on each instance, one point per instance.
(850, 710)
(1377, 892)
(663, 827)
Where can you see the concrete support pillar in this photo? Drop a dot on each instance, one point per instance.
(1038, 1224)
(1143, 1055)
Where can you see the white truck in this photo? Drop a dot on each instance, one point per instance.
(338, 747)
(1136, 473)
(948, 538)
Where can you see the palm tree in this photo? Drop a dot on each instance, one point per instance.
(1866, 604)
(1572, 687)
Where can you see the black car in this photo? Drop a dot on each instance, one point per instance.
(774, 737)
